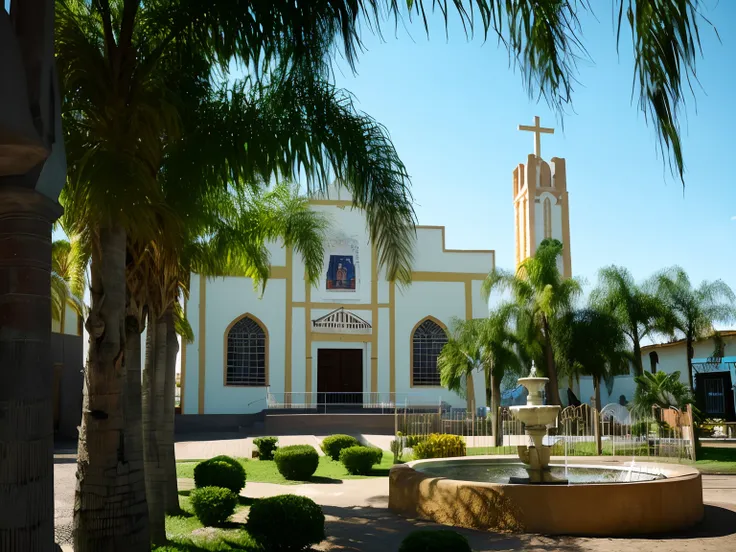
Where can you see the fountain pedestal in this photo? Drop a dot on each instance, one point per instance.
(536, 417)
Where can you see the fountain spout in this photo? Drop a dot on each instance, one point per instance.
(536, 416)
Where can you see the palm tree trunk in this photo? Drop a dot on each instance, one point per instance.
(26, 404)
(638, 365)
(171, 494)
(496, 410)
(62, 317)
(553, 386)
(133, 414)
(109, 511)
(154, 387)
(596, 415)
(690, 354)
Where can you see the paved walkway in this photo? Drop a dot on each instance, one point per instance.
(243, 446)
(358, 518)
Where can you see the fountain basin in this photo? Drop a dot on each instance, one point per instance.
(541, 415)
(670, 499)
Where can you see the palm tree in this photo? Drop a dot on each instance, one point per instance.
(592, 342)
(123, 105)
(486, 344)
(639, 312)
(542, 36)
(661, 389)
(694, 311)
(541, 297)
(232, 243)
(68, 280)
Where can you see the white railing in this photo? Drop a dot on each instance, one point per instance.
(384, 401)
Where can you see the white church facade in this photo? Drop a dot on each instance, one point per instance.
(354, 338)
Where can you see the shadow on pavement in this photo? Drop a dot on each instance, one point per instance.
(367, 529)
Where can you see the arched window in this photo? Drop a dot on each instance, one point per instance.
(427, 342)
(246, 362)
(547, 208)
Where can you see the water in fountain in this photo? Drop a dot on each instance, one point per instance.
(496, 472)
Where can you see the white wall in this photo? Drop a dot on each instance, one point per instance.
(429, 256)
(228, 299)
(443, 300)
(70, 322)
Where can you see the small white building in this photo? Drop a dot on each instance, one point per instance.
(354, 338)
(714, 378)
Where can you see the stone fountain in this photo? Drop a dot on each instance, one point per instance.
(536, 417)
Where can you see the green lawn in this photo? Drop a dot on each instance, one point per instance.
(232, 537)
(265, 471)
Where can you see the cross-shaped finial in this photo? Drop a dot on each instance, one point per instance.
(538, 131)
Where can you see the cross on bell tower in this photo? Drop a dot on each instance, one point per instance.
(538, 130)
(541, 208)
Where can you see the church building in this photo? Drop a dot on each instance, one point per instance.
(355, 338)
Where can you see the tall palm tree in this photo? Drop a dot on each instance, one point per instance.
(592, 342)
(486, 344)
(541, 297)
(232, 244)
(121, 110)
(639, 312)
(694, 311)
(68, 280)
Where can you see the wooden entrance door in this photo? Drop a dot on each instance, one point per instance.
(340, 376)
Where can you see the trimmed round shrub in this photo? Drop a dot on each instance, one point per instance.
(333, 444)
(379, 454)
(266, 447)
(440, 540)
(286, 522)
(296, 462)
(440, 446)
(359, 460)
(213, 505)
(220, 471)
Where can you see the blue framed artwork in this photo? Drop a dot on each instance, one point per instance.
(341, 273)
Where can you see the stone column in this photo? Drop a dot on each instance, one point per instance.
(26, 375)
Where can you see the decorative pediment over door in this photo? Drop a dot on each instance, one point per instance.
(341, 321)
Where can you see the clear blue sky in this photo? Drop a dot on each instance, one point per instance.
(452, 109)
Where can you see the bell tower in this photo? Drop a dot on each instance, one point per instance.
(541, 207)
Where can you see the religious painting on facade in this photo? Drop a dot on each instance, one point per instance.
(341, 273)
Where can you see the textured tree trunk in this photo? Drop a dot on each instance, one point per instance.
(110, 511)
(133, 414)
(690, 354)
(638, 365)
(597, 415)
(154, 395)
(496, 410)
(553, 386)
(62, 319)
(171, 494)
(26, 404)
